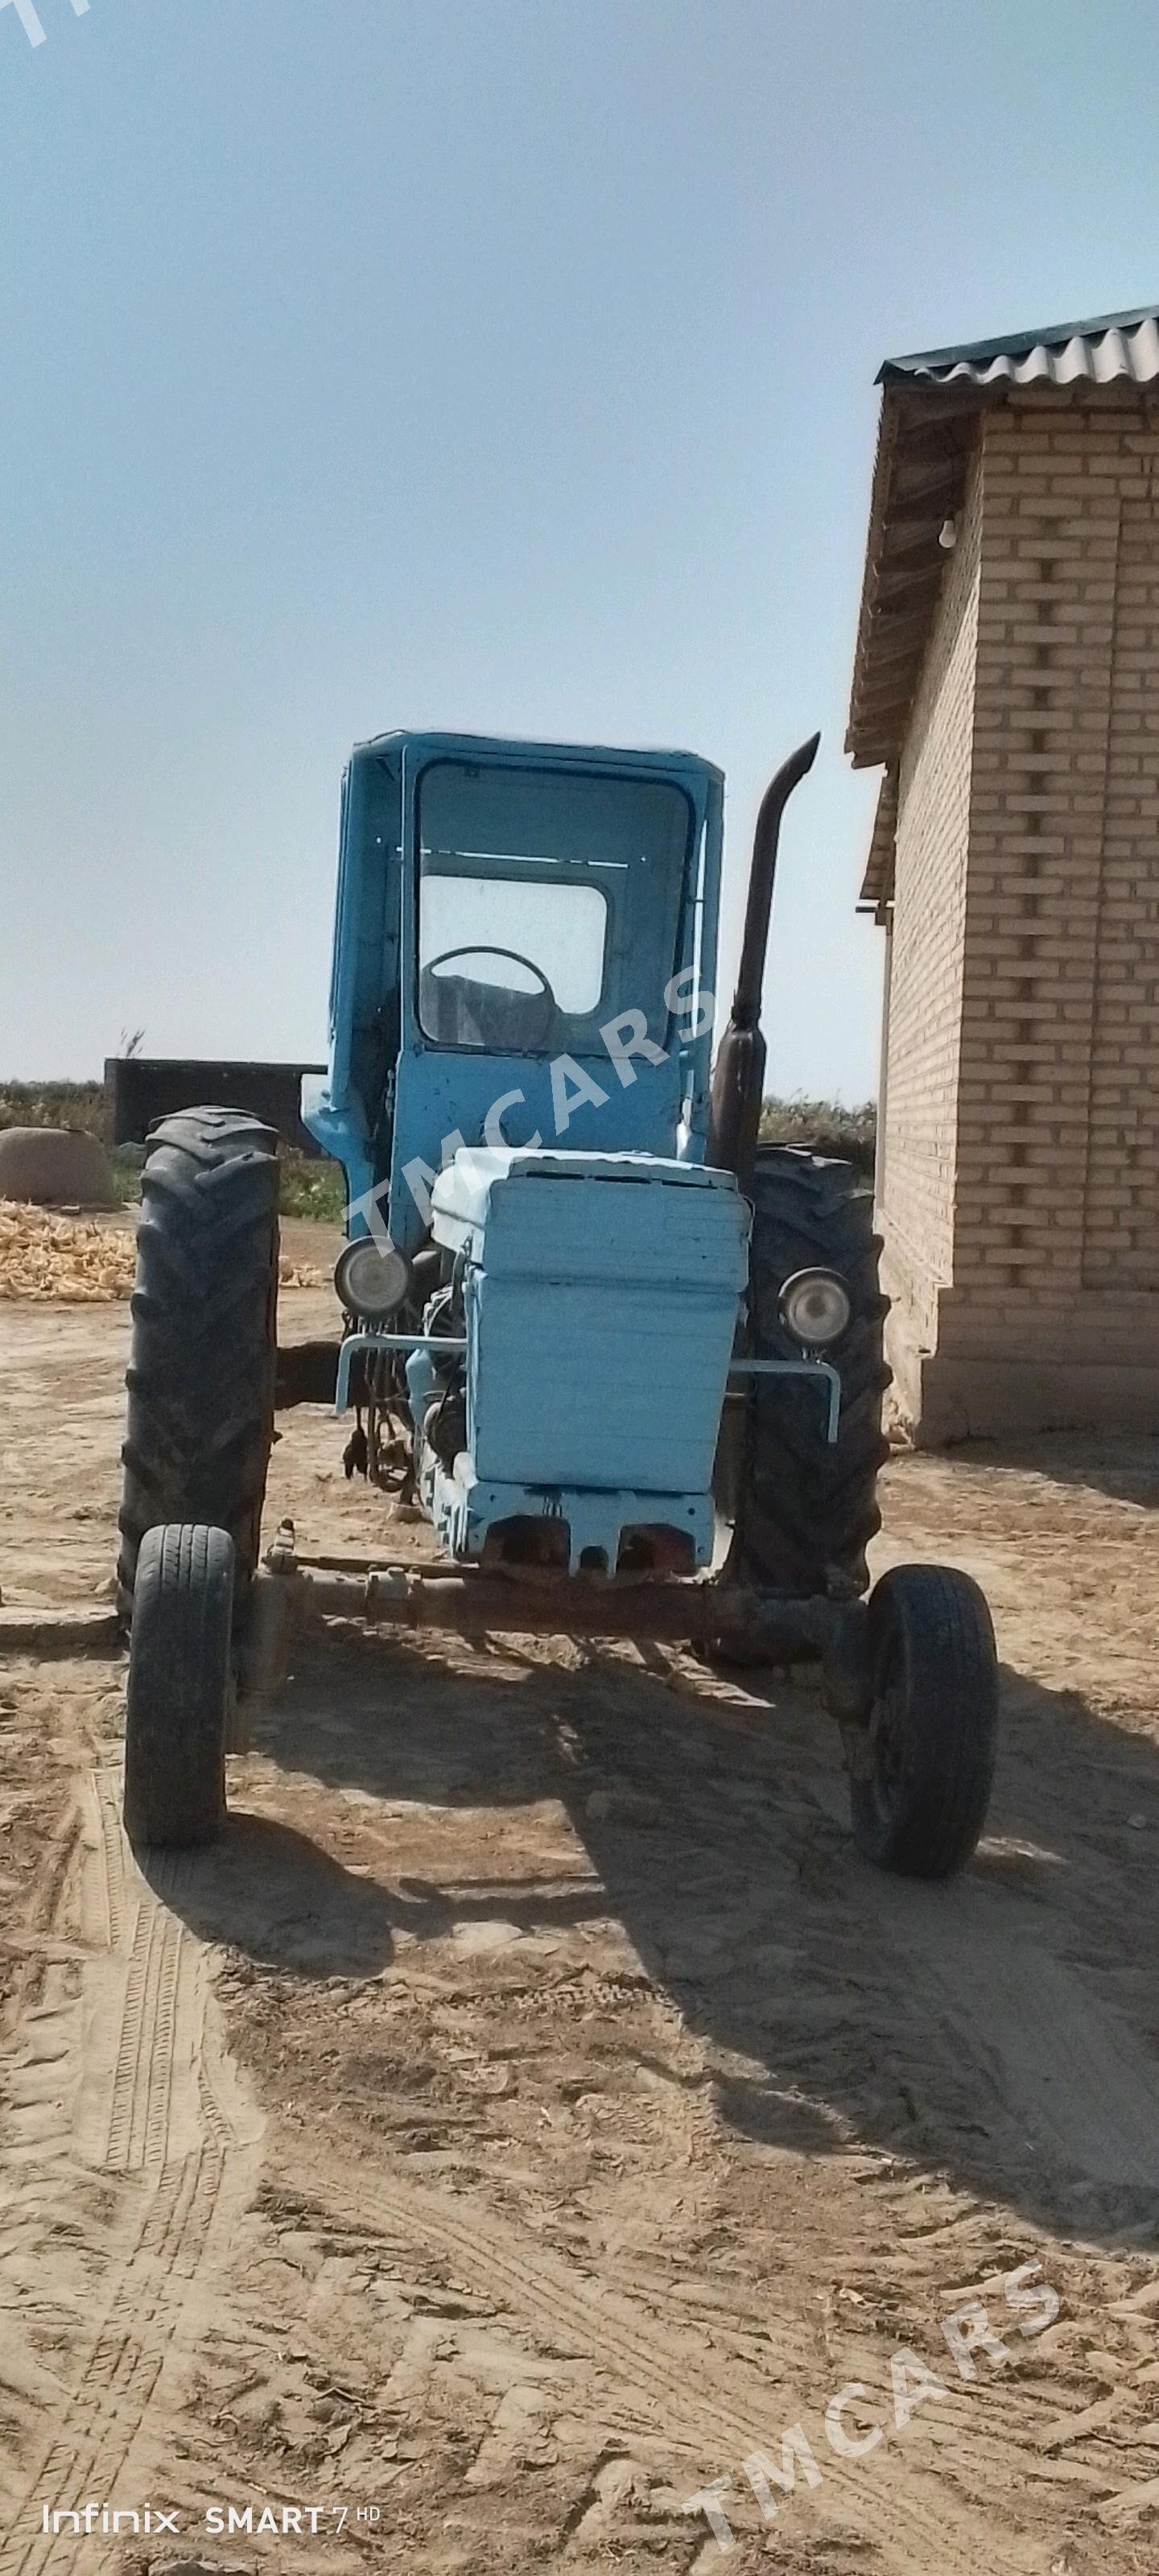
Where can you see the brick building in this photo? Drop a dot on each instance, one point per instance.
(1007, 675)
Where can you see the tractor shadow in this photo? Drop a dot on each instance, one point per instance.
(992, 2029)
(274, 1894)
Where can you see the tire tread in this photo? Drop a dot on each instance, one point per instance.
(942, 1621)
(808, 1508)
(201, 1373)
(178, 1686)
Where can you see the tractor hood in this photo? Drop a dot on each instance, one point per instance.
(601, 1294)
(475, 1192)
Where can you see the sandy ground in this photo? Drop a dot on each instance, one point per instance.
(534, 2107)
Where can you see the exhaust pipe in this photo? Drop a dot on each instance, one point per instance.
(738, 1076)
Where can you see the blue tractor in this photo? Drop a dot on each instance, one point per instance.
(623, 1357)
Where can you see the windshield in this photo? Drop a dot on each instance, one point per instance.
(534, 887)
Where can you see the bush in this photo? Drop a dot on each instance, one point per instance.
(824, 1127)
(54, 1104)
(312, 1186)
(315, 1187)
(308, 1188)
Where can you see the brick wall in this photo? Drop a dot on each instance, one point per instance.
(1121, 1199)
(916, 1176)
(1021, 1170)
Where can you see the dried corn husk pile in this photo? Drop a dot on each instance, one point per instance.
(80, 1263)
(69, 1257)
(300, 1274)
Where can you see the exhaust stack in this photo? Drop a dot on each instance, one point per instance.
(738, 1076)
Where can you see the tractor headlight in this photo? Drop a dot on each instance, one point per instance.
(815, 1307)
(371, 1278)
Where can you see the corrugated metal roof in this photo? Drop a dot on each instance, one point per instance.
(1107, 350)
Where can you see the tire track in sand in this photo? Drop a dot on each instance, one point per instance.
(1050, 2050)
(134, 2100)
(704, 2405)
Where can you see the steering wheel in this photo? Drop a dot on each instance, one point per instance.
(482, 948)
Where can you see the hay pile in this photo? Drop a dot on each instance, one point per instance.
(300, 1274)
(57, 1167)
(80, 1263)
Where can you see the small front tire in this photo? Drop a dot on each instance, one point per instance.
(921, 1784)
(179, 1685)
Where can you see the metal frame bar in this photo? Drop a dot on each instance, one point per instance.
(454, 1348)
(396, 1593)
(798, 1368)
(355, 1343)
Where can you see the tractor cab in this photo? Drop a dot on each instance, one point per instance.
(524, 950)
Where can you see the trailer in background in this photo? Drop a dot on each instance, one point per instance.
(139, 1089)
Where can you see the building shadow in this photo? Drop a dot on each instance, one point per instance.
(1124, 1469)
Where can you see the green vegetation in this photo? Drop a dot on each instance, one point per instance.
(313, 1186)
(824, 1127)
(69, 1104)
(54, 1104)
(126, 1171)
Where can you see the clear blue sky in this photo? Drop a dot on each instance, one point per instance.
(503, 364)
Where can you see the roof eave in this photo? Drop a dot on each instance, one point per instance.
(924, 439)
(931, 402)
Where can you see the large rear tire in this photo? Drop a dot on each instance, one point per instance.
(204, 1353)
(921, 1787)
(803, 1509)
(179, 1683)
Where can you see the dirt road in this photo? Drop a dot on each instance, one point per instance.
(533, 2107)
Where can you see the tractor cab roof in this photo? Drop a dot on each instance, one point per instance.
(421, 747)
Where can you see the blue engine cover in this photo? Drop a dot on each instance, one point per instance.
(601, 1298)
